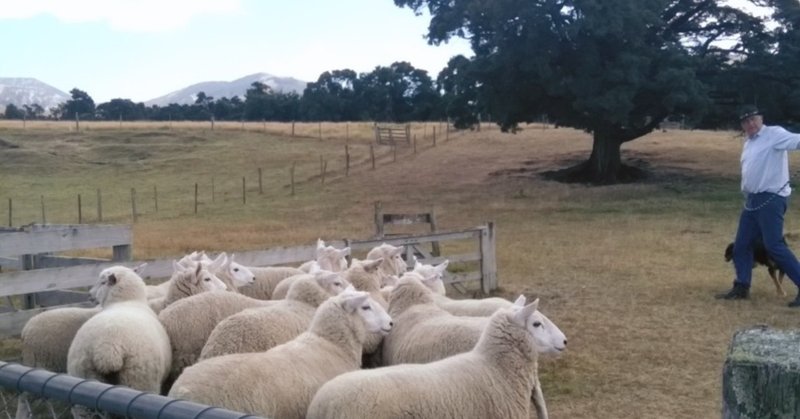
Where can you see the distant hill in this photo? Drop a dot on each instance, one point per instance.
(21, 91)
(229, 89)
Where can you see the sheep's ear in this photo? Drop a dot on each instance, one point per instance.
(140, 268)
(353, 302)
(197, 271)
(440, 268)
(112, 280)
(522, 315)
(520, 301)
(350, 289)
(320, 244)
(372, 265)
(219, 262)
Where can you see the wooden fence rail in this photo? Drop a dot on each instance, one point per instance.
(47, 280)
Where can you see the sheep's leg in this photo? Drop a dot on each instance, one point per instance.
(538, 400)
(23, 407)
(777, 282)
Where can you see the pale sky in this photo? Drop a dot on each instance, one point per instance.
(143, 49)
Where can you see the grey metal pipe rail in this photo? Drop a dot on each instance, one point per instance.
(118, 400)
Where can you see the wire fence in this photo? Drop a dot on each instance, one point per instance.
(37, 393)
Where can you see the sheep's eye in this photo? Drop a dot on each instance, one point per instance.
(366, 308)
(537, 324)
(337, 284)
(236, 269)
(207, 279)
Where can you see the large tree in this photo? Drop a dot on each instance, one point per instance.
(80, 105)
(615, 68)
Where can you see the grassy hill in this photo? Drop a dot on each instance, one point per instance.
(627, 271)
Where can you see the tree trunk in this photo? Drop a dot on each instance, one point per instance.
(604, 163)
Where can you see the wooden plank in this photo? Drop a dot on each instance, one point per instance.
(408, 240)
(50, 261)
(277, 256)
(420, 218)
(25, 282)
(58, 298)
(11, 324)
(63, 239)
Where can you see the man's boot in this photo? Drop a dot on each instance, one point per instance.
(738, 292)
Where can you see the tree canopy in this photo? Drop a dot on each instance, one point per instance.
(615, 68)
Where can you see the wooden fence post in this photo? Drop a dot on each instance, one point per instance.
(379, 228)
(292, 128)
(346, 160)
(133, 203)
(77, 125)
(99, 206)
(44, 219)
(291, 176)
(260, 187)
(346, 131)
(80, 213)
(488, 263)
(372, 155)
(447, 131)
(212, 123)
(415, 143)
(434, 136)
(195, 198)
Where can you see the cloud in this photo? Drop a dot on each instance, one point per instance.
(121, 15)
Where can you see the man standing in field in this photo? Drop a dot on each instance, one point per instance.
(765, 184)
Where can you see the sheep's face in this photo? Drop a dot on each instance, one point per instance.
(374, 316)
(433, 275)
(332, 282)
(547, 336)
(332, 259)
(240, 274)
(109, 281)
(205, 279)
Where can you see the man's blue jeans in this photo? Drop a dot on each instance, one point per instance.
(762, 219)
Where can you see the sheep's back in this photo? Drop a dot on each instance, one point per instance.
(258, 329)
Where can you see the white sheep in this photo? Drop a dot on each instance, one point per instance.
(233, 274)
(124, 343)
(493, 380)
(425, 332)
(328, 258)
(187, 279)
(281, 381)
(46, 337)
(282, 288)
(434, 273)
(189, 322)
(261, 328)
(266, 279)
(393, 263)
(460, 307)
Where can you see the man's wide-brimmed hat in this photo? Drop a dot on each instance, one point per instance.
(747, 111)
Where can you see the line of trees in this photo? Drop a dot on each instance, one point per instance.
(397, 93)
(614, 68)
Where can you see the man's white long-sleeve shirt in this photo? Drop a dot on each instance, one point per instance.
(765, 161)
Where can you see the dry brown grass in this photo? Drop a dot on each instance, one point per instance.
(627, 271)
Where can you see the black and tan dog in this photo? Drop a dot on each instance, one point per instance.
(761, 257)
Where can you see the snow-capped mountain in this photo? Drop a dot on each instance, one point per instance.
(21, 91)
(229, 89)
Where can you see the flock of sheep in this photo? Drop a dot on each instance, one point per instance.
(324, 340)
